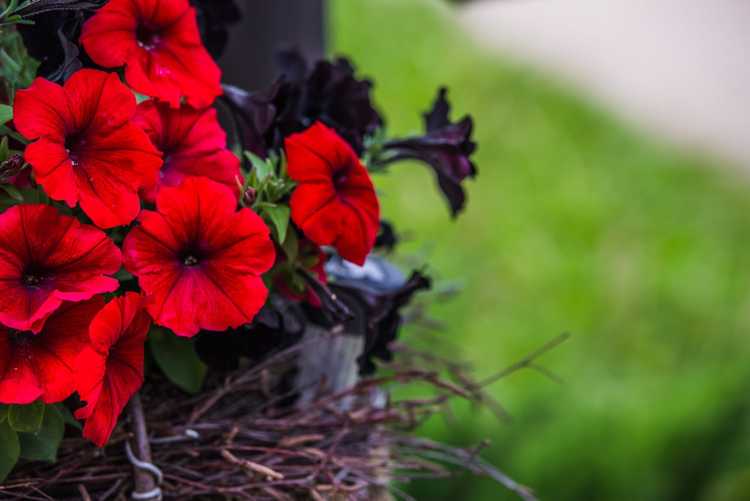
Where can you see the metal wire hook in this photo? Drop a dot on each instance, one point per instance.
(154, 494)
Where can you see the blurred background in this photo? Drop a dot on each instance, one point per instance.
(612, 202)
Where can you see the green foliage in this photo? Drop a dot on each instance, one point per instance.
(267, 179)
(176, 357)
(26, 418)
(67, 417)
(6, 114)
(574, 223)
(42, 445)
(265, 188)
(291, 245)
(17, 68)
(10, 195)
(10, 449)
(10, 13)
(278, 216)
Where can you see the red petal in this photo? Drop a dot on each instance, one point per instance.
(71, 257)
(176, 65)
(109, 37)
(243, 242)
(53, 170)
(162, 13)
(117, 335)
(26, 309)
(18, 383)
(99, 101)
(109, 158)
(319, 218)
(224, 290)
(42, 110)
(344, 213)
(317, 152)
(110, 172)
(89, 379)
(193, 143)
(57, 347)
(355, 244)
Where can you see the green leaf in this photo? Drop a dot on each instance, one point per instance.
(26, 418)
(12, 192)
(176, 357)
(263, 168)
(6, 113)
(291, 245)
(139, 98)
(123, 275)
(43, 445)
(3, 412)
(7, 131)
(68, 416)
(10, 8)
(279, 217)
(10, 449)
(34, 196)
(9, 63)
(4, 150)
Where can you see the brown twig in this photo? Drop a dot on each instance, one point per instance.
(236, 445)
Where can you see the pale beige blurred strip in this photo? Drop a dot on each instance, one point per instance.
(679, 67)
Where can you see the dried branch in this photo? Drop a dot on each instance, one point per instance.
(233, 443)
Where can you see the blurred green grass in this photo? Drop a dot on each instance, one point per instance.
(576, 223)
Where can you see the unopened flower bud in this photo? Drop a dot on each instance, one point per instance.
(248, 197)
(11, 167)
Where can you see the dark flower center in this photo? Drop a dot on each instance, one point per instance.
(32, 280)
(21, 338)
(166, 162)
(341, 177)
(34, 276)
(148, 38)
(192, 255)
(74, 144)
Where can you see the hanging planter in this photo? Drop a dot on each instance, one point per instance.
(191, 310)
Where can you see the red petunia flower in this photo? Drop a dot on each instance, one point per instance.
(110, 366)
(199, 260)
(193, 144)
(42, 365)
(87, 149)
(159, 44)
(47, 258)
(334, 202)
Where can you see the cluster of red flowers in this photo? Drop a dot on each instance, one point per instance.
(198, 257)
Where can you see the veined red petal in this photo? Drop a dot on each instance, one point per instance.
(47, 258)
(159, 44)
(18, 382)
(42, 110)
(111, 367)
(53, 169)
(98, 101)
(89, 151)
(109, 37)
(42, 365)
(334, 202)
(192, 142)
(199, 260)
(57, 347)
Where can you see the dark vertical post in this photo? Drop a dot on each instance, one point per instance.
(266, 26)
